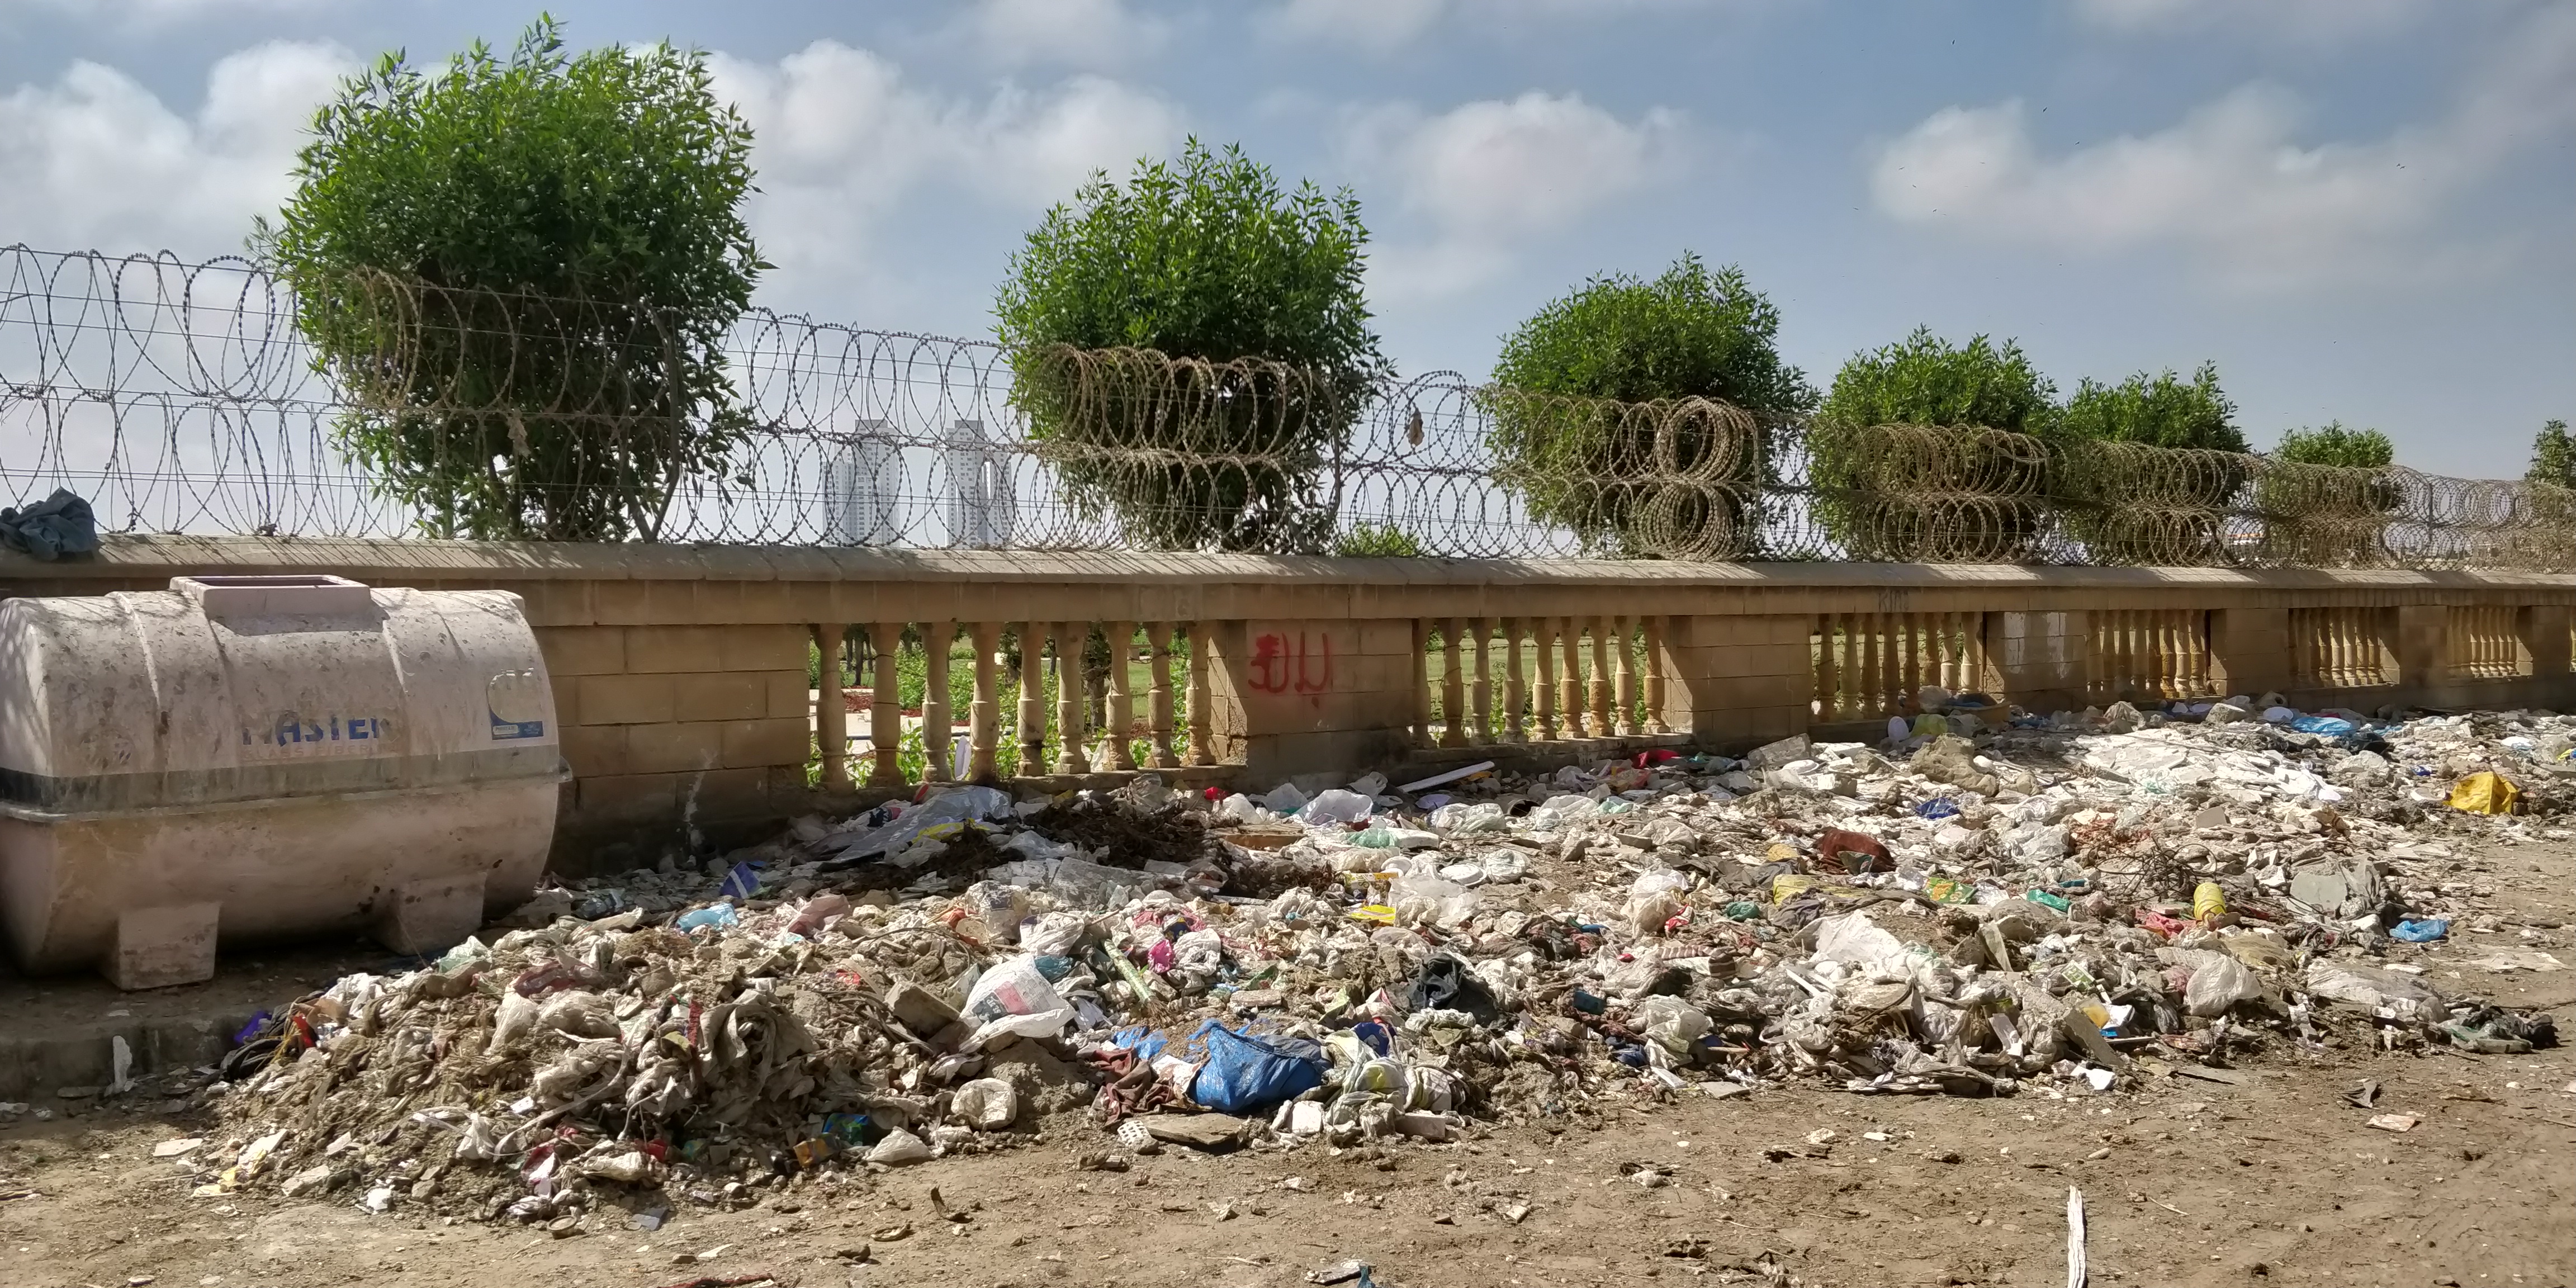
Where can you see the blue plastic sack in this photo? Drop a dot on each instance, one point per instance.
(2326, 726)
(1145, 1042)
(1937, 807)
(716, 915)
(2425, 931)
(1239, 1072)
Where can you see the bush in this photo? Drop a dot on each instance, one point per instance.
(1254, 290)
(2325, 497)
(2551, 480)
(1679, 479)
(2159, 410)
(1925, 450)
(2147, 469)
(2332, 444)
(522, 270)
(1377, 541)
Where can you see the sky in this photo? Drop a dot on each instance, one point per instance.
(2361, 210)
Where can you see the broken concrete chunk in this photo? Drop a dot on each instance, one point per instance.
(921, 1010)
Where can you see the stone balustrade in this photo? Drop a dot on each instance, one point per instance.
(721, 689)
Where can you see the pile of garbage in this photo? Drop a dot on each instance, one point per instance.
(1983, 903)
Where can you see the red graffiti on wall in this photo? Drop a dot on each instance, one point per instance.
(1278, 666)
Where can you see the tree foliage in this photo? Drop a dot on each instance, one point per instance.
(1203, 257)
(2553, 456)
(1926, 380)
(1692, 332)
(1924, 449)
(2134, 506)
(2332, 444)
(524, 268)
(1622, 482)
(2160, 410)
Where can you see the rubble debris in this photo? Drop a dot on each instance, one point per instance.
(2079, 903)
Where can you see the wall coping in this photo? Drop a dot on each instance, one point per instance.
(127, 558)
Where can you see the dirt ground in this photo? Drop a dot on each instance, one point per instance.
(2276, 1180)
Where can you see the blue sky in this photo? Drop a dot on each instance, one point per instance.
(2361, 209)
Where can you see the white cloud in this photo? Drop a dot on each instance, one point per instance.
(155, 13)
(1381, 26)
(2317, 20)
(1488, 177)
(96, 160)
(842, 139)
(1071, 33)
(2230, 184)
(1371, 24)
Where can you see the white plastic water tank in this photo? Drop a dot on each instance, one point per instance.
(245, 758)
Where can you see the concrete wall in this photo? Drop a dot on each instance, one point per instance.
(679, 672)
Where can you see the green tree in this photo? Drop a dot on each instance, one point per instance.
(2553, 456)
(1566, 430)
(2326, 495)
(1242, 350)
(2332, 444)
(523, 270)
(1926, 450)
(1926, 380)
(2146, 469)
(2160, 410)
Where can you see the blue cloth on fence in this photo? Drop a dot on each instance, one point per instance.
(59, 525)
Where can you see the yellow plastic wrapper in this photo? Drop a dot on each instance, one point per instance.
(2485, 792)
(1787, 884)
(2208, 901)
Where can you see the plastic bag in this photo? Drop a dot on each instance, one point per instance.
(2218, 983)
(1671, 1023)
(2324, 726)
(1243, 1072)
(1459, 818)
(1444, 983)
(1854, 939)
(1504, 865)
(1284, 799)
(2387, 993)
(2485, 792)
(1428, 899)
(987, 1104)
(898, 1148)
(1014, 998)
(1336, 807)
(952, 808)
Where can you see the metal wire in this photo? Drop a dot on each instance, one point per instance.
(182, 397)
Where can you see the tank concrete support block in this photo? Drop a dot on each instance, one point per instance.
(430, 916)
(160, 947)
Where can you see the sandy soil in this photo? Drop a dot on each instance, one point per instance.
(2186, 1182)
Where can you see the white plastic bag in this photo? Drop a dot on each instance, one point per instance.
(950, 809)
(986, 1104)
(1336, 807)
(1855, 940)
(898, 1148)
(1672, 1023)
(1014, 998)
(2219, 982)
(1424, 899)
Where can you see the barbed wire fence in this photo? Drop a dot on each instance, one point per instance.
(183, 397)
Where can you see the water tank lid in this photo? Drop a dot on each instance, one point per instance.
(277, 595)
